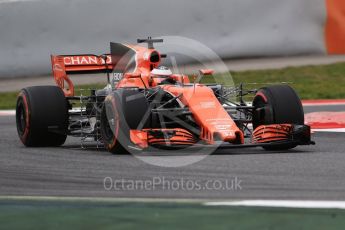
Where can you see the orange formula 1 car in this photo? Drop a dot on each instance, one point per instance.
(145, 105)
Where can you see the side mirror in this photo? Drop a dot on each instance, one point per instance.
(206, 71)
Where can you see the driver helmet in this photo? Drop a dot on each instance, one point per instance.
(161, 71)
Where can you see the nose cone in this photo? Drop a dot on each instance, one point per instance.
(229, 136)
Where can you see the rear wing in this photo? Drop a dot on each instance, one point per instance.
(77, 64)
(122, 58)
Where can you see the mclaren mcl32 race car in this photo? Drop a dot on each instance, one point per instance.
(145, 106)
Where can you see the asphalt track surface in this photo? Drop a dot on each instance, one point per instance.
(306, 173)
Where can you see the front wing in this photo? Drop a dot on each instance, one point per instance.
(267, 135)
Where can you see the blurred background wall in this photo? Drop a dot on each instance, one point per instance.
(31, 30)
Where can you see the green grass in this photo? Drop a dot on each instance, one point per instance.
(25, 214)
(8, 100)
(311, 82)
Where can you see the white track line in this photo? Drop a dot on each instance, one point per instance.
(282, 204)
(335, 130)
(243, 203)
(307, 104)
(7, 112)
(101, 199)
(11, 1)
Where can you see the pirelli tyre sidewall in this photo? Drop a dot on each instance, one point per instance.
(42, 116)
(277, 104)
(123, 110)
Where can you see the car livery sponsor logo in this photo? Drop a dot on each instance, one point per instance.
(57, 67)
(86, 60)
(227, 133)
(117, 77)
(207, 104)
(222, 126)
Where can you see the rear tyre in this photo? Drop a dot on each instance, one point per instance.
(42, 116)
(123, 110)
(277, 104)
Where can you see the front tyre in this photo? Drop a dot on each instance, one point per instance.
(112, 127)
(278, 104)
(123, 110)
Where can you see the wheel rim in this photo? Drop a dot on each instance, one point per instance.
(259, 117)
(110, 125)
(21, 121)
(263, 113)
(22, 118)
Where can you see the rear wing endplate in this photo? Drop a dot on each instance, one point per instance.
(76, 64)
